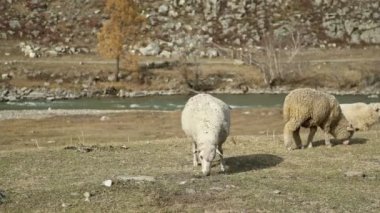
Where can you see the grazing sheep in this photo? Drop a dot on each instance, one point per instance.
(361, 115)
(206, 120)
(312, 109)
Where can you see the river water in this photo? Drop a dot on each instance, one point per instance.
(173, 102)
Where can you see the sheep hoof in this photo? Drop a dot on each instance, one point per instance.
(223, 168)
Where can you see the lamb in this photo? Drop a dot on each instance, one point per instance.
(206, 120)
(312, 109)
(361, 115)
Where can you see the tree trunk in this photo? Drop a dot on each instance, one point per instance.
(117, 68)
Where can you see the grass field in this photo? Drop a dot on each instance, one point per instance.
(37, 173)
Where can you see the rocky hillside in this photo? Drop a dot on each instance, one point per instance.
(199, 26)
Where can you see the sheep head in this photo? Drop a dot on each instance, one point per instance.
(206, 155)
(343, 130)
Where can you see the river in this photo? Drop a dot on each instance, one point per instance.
(173, 102)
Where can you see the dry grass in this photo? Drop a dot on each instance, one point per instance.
(262, 175)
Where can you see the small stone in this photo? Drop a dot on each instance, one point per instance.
(52, 53)
(277, 192)
(216, 188)
(107, 183)
(97, 11)
(136, 178)
(354, 174)
(59, 81)
(104, 118)
(163, 9)
(32, 55)
(74, 194)
(87, 196)
(111, 78)
(65, 205)
(50, 98)
(183, 182)
(14, 24)
(5, 76)
(165, 54)
(173, 14)
(230, 186)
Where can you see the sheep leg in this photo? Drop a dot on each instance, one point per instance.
(297, 138)
(195, 155)
(289, 128)
(222, 162)
(327, 137)
(312, 132)
(327, 140)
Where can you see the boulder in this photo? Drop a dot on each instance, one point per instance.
(36, 95)
(165, 54)
(163, 9)
(212, 53)
(371, 36)
(334, 28)
(152, 49)
(14, 24)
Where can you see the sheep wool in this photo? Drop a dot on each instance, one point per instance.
(361, 115)
(206, 120)
(310, 108)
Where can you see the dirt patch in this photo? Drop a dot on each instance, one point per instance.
(124, 127)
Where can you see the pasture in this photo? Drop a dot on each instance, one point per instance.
(47, 165)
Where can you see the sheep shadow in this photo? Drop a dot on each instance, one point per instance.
(247, 163)
(353, 141)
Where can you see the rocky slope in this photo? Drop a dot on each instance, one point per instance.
(199, 26)
(206, 28)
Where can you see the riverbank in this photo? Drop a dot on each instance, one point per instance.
(337, 71)
(25, 94)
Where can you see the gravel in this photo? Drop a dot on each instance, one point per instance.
(40, 114)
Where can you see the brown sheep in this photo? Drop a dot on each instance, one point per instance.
(312, 109)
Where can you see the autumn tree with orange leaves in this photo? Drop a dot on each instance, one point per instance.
(123, 27)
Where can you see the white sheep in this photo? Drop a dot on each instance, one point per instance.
(312, 109)
(361, 115)
(206, 120)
